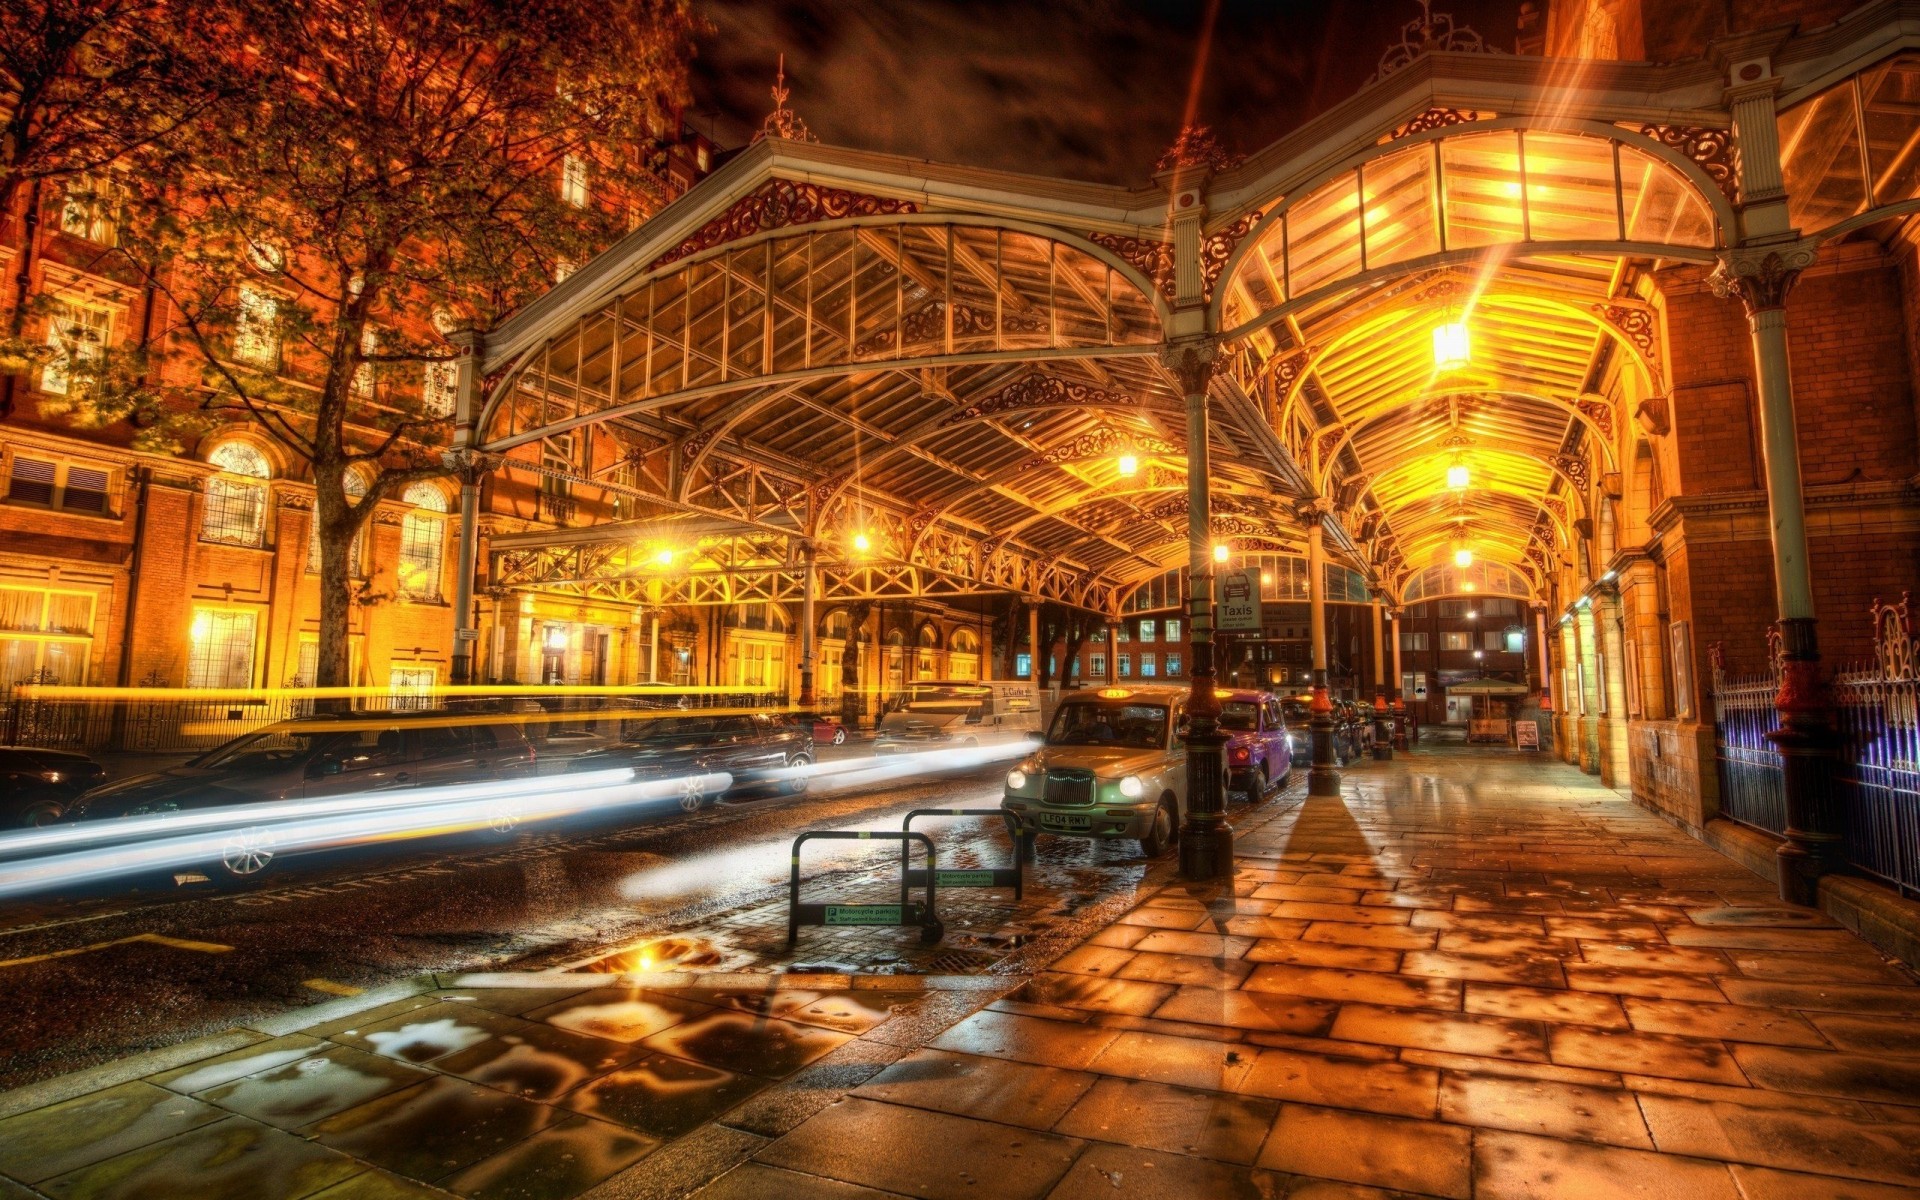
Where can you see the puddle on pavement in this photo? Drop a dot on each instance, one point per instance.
(678, 953)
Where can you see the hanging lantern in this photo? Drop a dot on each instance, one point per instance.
(1452, 347)
(1129, 466)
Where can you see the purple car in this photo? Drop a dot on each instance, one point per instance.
(1258, 754)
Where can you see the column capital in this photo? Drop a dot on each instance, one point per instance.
(468, 465)
(1193, 362)
(1312, 511)
(1761, 276)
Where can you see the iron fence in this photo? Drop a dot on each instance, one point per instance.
(1751, 791)
(1877, 720)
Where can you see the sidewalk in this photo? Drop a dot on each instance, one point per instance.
(1476, 975)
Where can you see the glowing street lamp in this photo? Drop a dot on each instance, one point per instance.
(1129, 466)
(1452, 346)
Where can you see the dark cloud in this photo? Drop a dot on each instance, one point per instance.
(1087, 89)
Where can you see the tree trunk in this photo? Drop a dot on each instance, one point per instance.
(1076, 639)
(1007, 628)
(335, 521)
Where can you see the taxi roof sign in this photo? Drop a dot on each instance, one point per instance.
(1115, 693)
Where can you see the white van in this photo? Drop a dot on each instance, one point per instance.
(960, 712)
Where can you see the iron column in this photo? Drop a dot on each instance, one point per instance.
(1397, 684)
(1206, 839)
(1382, 729)
(809, 584)
(1761, 277)
(1324, 777)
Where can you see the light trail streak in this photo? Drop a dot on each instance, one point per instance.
(301, 834)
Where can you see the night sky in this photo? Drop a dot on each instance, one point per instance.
(1085, 89)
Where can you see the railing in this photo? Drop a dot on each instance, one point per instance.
(119, 720)
(1751, 788)
(1877, 720)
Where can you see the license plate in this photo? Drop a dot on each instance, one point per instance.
(1065, 821)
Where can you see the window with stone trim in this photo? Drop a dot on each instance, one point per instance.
(91, 209)
(221, 648)
(56, 483)
(256, 329)
(423, 535)
(236, 512)
(77, 336)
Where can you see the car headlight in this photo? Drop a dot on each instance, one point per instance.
(1132, 788)
(52, 776)
(1016, 779)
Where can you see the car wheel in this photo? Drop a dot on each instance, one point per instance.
(694, 798)
(840, 735)
(1258, 791)
(1164, 832)
(41, 815)
(796, 785)
(247, 852)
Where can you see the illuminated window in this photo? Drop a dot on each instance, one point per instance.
(1173, 666)
(573, 180)
(237, 497)
(440, 392)
(45, 636)
(1097, 665)
(1147, 630)
(422, 534)
(1126, 666)
(91, 210)
(1456, 641)
(1148, 666)
(411, 685)
(78, 335)
(1023, 665)
(1413, 641)
(1516, 641)
(365, 374)
(220, 653)
(256, 329)
(1173, 634)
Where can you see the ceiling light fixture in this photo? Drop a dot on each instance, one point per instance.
(1452, 346)
(1463, 557)
(1129, 466)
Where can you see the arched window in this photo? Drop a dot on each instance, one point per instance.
(422, 534)
(237, 497)
(928, 641)
(356, 488)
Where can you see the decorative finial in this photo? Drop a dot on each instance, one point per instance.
(1430, 31)
(783, 122)
(1197, 147)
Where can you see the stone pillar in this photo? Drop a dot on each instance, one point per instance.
(1033, 647)
(809, 584)
(1761, 277)
(1382, 730)
(1323, 779)
(1206, 839)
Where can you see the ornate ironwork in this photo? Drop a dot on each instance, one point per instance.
(1197, 147)
(1218, 247)
(783, 122)
(1039, 390)
(1600, 412)
(1289, 367)
(1636, 323)
(1101, 441)
(1712, 150)
(1150, 256)
(928, 323)
(779, 204)
(1325, 441)
(1434, 118)
(1428, 32)
(1761, 278)
(1574, 468)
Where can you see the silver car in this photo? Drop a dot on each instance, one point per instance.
(1113, 765)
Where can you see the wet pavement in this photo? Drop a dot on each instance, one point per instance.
(1474, 975)
(91, 977)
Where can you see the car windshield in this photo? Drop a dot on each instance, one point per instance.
(1241, 716)
(1138, 726)
(263, 751)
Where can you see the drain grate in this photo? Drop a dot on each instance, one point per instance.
(959, 962)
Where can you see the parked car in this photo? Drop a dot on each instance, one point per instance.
(1352, 734)
(753, 749)
(825, 728)
(1112, 765)
(37, 785)
(332, 754)
(1298, 712)
(959, 712)
(1259, 754)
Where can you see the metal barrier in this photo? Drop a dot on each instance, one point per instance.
(1014, 876)
(904, 913)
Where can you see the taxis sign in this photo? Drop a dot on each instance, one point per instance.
(1237, 601)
